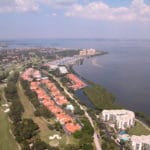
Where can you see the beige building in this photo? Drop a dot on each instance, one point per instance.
(140, 142)
(122, 118)
(91, 51)
(87, 52)
(83, 52)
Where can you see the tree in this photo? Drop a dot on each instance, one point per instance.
(3, 75)
(85, 135)
(43, 111)
(71, 147)
(87, 146)
(25, 130)
(16, 108)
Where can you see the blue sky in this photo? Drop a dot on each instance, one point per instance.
(74, 19)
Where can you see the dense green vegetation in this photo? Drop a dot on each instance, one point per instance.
(67, 53)
(3, 75)
(100, 97)
(106, 141)
(25, 130)
(77, 110)
(56, 126)
(85, 135)
(109, 144)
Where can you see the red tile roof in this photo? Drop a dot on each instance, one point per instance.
(72, 127)
(76, 82)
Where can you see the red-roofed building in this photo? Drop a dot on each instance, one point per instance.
(72, 127)
(55, 109)
(76, 82)
(64, 118)
(34, 85)
(48, 103)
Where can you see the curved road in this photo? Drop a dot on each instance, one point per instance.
(147, 127)
(96, 134)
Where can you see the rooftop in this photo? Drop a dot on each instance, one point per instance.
(121, 113)
(141, 139)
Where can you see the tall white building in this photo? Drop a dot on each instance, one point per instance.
(122, 118)
(83, 52)
(91, 51)
(87, 52)
(140, 142)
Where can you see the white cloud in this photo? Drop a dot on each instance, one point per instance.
(27, 5)
(18, 5)
(32, 5)
(138, 10)
(58, 3)
(97, 10)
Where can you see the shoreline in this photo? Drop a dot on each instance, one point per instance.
(139, 115)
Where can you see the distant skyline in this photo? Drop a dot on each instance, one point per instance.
(108, 19)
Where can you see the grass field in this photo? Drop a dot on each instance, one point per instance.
(7, 142)
(66, 140)
(138, 129)
(28, 107)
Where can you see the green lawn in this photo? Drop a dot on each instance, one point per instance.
(7, 142)
(68, 139)
(28, 107)
(138, 129)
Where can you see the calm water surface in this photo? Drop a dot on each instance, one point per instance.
(125, 71)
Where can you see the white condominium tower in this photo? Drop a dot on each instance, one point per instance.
(122, 118)
(140, 142)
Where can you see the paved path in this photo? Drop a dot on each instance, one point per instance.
(147, 127)
(96, 134)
